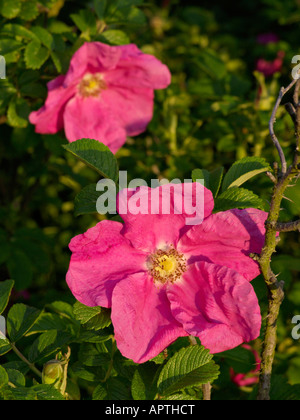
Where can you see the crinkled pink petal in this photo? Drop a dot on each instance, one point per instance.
(49, 119)
(92, 57)
(142, 320)
(138, 70)
(227, 238)
(217, 305)
(91, 118)
(131, 106)
(163, 213)
(101, 257)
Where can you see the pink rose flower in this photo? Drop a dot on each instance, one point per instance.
(164, 279)
(247, 379)
(268, 68)
(107, 95)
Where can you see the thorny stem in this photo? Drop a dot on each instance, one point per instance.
(275, 288)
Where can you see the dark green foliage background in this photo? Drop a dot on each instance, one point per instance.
(215, 112)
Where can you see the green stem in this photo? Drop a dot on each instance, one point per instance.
(23, 358)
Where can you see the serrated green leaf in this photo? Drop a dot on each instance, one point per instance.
(94, 318)
(238, 198)
(143, 385)
(17, 113)
(47, 344)
(10, 8)
(5, 291)
(100, 7)
(43, 36)
(20, 319)
(115, 37)
(215, 180)
(85, 20)
(36, 55)
(85, 201)
(14, 30)
(9, 45)
(243, 170)
(5, 347)
(201, 174)
(97, 156)
(29, 10)
(190, 366)
(3, 377)
(15, 377)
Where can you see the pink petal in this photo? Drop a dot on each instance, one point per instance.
(101, 257)
(92, 57)
(227, 238)
(138, 70)
(163, 213)
(49, 118)
(131, 106)
(90, 118)
(217, 305)
(142, 320)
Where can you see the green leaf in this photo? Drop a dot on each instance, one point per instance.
(114, 37)
(85, 201)
(100, 6)
(191, 366)
(5, 347)
(238, 198)
(210, 62)
(36, 55)
(3, 377)
(97, 156)
(201, 174)
(85, 20)
(18, 112)
(92, 317)
(9, 45)
(5, 291)
(20, 269)
(47, 344)
(20, 319)
(10, 8)
(243, 170)
(15, 377)
(29, 10)
(215, 180)
(43, 36)
(16, 30)
(240, 359)
(143, 385)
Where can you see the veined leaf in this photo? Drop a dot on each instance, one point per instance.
(97, 156)
(5, 290)
(189, 367)
(238, 198)
(243, 170)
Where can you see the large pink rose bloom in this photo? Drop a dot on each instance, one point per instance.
(107, 95)
(164, 279)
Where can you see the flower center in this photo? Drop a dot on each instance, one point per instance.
(166, 265)
(92, 85)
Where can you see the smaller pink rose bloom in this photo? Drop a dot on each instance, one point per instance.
(247, 379)
(268, 68)
(164, 278)
(107, 95)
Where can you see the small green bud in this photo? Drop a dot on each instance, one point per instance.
(53, 373)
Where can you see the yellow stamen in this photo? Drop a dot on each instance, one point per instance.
(92, 85)
(166, 265)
